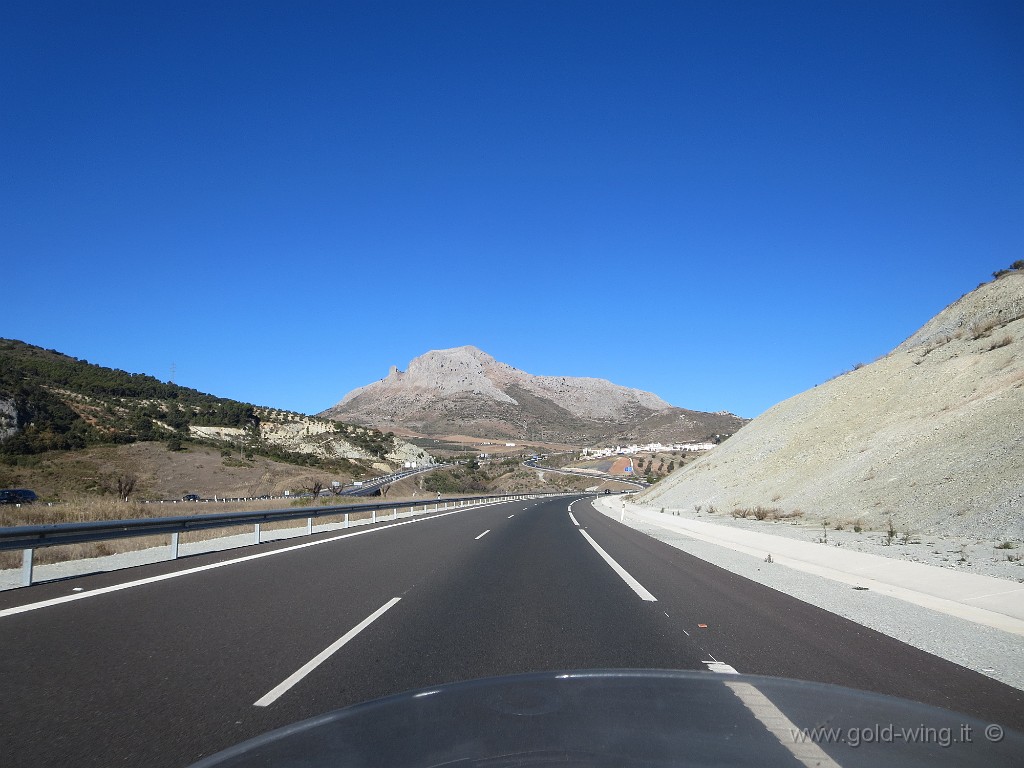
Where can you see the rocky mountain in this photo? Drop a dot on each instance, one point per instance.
(930, 437)
(466, 391)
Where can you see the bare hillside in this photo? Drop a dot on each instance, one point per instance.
(931, 436)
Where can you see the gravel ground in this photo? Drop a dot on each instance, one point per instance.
(1002, 559)
(994, 653)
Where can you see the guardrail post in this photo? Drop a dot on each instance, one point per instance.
(26, 567)
(256, 534)
(309, 526)
(174, 546)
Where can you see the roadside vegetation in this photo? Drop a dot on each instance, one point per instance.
(471, 477)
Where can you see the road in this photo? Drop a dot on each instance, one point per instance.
(210, 650)
(592, 475)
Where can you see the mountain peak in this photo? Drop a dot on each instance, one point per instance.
(464, 389)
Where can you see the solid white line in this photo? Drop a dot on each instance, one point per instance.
(164, 577)
(994, 594)
(321, 657)
(780, 726)
(482, 535)
(573, 520)
(635, 585)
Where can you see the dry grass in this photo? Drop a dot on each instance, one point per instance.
(1003, 342)
(765, 513)
(89, 509)
(983, 327)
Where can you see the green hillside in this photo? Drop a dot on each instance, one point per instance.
(52, 402)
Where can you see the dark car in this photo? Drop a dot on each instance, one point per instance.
(190, 497)
(17, 496)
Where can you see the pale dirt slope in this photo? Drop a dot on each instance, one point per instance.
(931, 435)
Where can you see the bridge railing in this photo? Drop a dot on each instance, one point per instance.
(28, 538)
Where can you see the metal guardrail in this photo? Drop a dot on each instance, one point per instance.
(28, 538)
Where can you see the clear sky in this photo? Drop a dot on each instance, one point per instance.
(724, 203)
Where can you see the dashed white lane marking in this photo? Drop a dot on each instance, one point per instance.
(635, 585)
(321, 657)
(511, 516)
(483, 534)
(573, 520)
(718, 666)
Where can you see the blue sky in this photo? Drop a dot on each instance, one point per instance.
(724, 203)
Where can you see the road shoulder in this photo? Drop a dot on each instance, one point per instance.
(994, 652)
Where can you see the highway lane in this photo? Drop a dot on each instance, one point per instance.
(156, 673)
(163, 673)
(758, 630)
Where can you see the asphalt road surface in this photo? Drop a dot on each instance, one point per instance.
(210, 650)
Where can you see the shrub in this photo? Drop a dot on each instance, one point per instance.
(983, 328)
(441, 482)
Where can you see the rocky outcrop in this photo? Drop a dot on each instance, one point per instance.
(317, 437)
(8, 418)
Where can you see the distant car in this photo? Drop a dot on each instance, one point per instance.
(17, 496)
(607, 490)
(190, 497)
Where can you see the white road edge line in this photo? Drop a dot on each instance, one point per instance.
(781, 727)
(321, 657)
(635, 585)
(482, 535)
(573, 520)
(245, 558)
